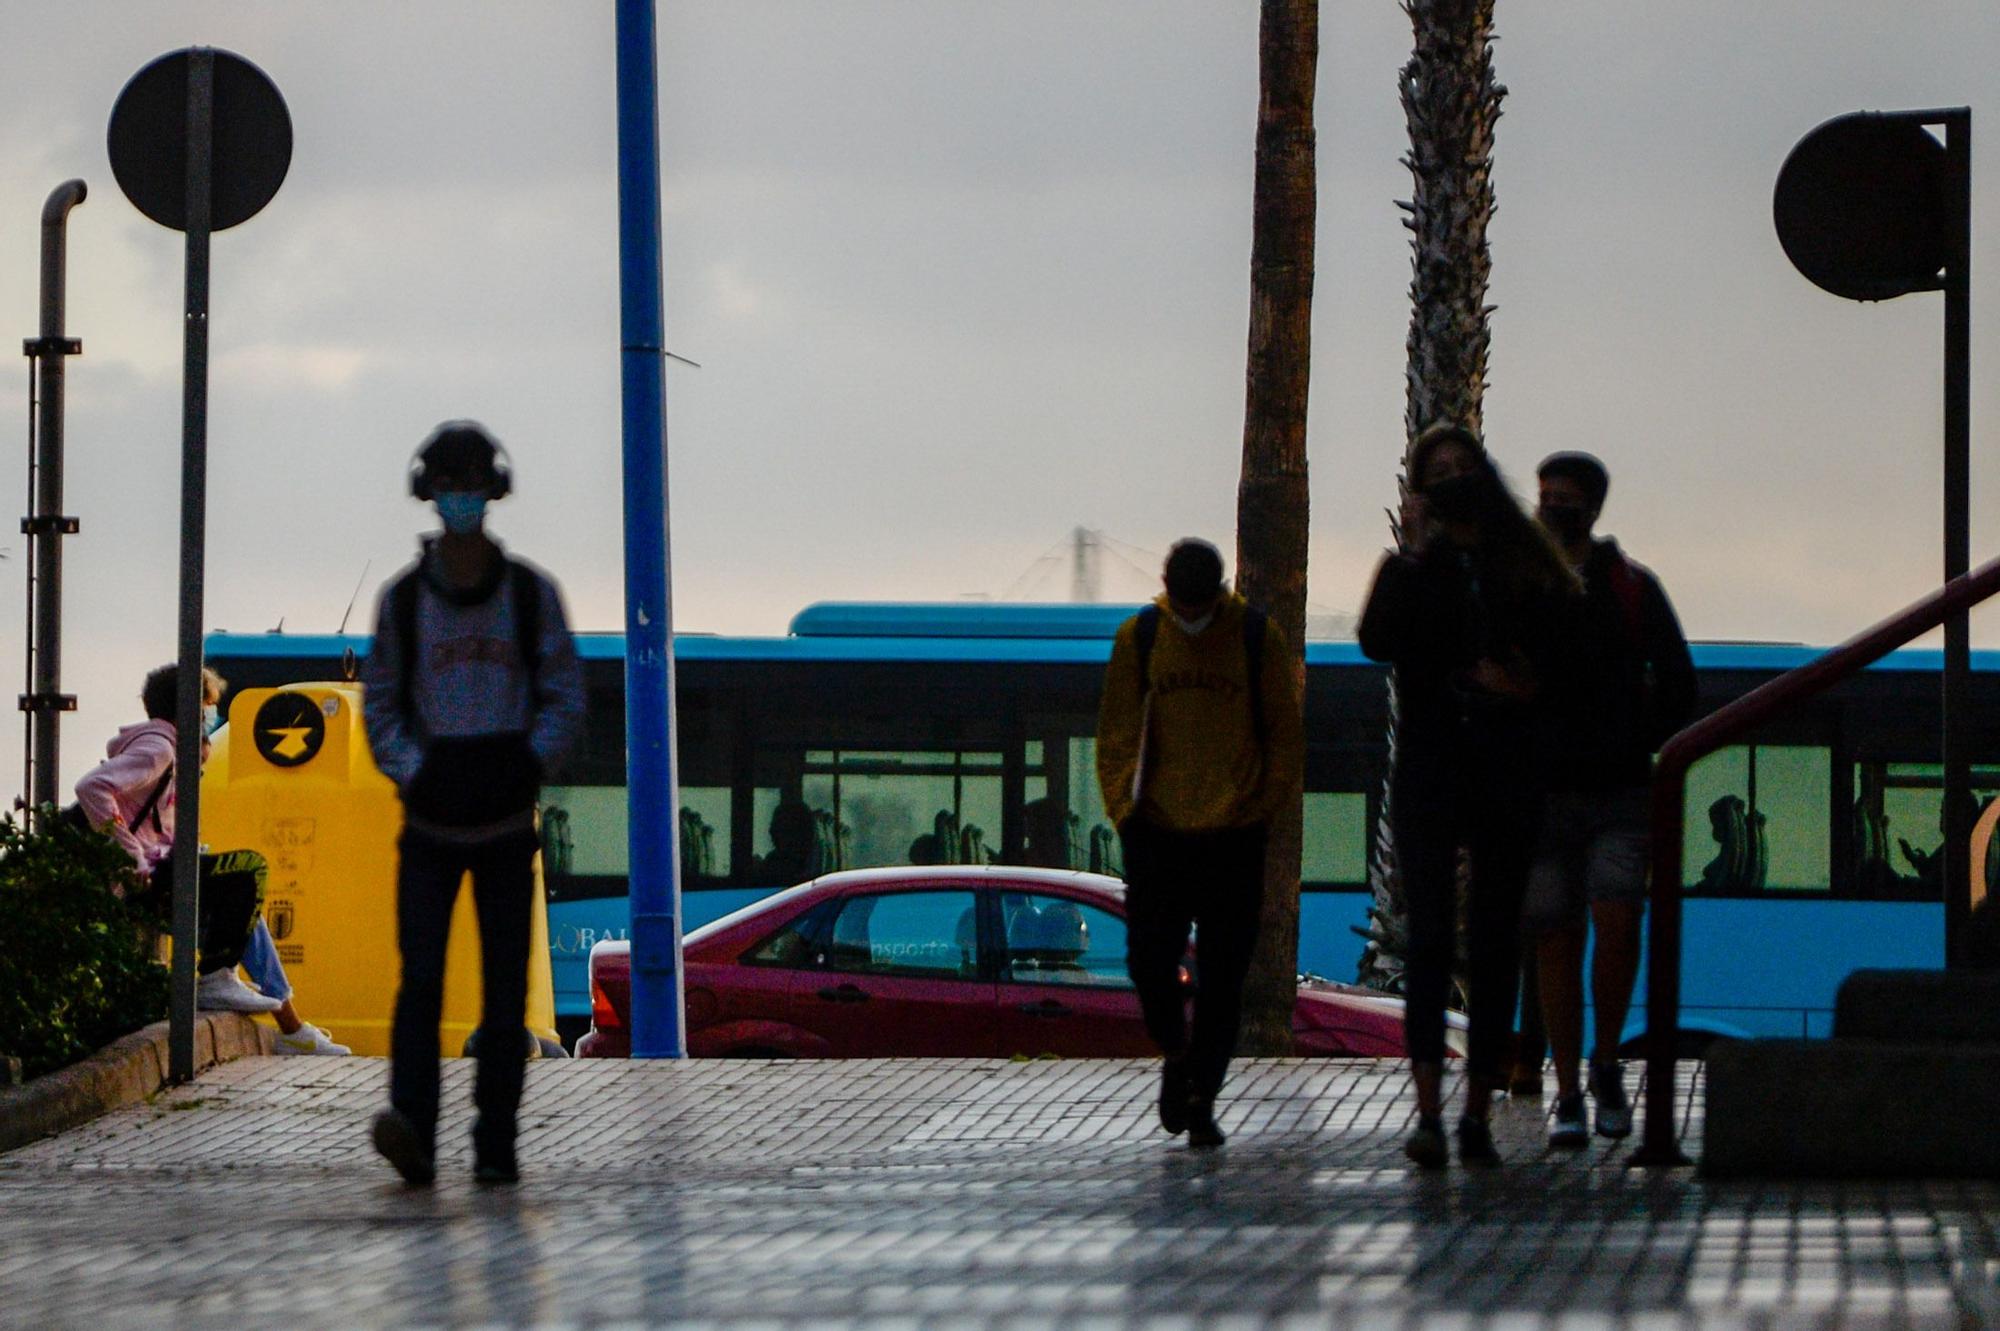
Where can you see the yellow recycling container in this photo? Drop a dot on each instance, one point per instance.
(291, 776)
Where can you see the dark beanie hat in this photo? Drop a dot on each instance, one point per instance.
(1193, 571)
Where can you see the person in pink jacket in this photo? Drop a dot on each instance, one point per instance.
(130, 798)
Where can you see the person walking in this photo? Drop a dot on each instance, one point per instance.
(1590, 866)
(1198, 740)
(1473, 612)
(130, 797)
(473, 694)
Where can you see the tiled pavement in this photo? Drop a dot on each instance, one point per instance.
(915, 1194)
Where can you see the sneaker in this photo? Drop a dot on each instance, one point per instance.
(1475, 1144)
(221, 991)
(1174, 1092)
(1569, 1127)
(1614, 1111)
(1203, 1134)
(396, 1140)
(1426, 1146)
(310, 1039)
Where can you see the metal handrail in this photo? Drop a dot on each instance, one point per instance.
(1677, 755)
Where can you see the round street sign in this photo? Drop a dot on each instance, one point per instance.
(252, 140)
(1860, 206)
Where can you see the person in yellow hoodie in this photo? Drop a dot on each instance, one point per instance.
(1198, 742)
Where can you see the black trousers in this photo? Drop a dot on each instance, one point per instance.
(232, 897)
(1489, 805)
(427, 882)
(1213, 884)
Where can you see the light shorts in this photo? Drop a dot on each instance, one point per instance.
(1593, 846)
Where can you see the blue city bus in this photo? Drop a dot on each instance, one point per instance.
(879, 734)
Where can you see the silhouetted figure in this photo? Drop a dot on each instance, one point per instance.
(794, 853)
(1476, 613)
(1198, 739)
(1635, 687)
(474, 693)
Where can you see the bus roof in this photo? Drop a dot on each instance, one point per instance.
(984, 631)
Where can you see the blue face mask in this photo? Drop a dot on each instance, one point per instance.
(462, 510)
(211, 719)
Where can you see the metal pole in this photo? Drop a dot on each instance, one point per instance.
(1956, 706)
(194, 505)
(46, 526)
(652, 799)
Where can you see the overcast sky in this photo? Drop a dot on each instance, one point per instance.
(962, 277)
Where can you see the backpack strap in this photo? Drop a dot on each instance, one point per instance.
(403, 614)
(527, 592)
(1145, 630)
(151, 808)
(1630, 589)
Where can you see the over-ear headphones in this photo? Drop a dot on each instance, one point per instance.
(456, 447)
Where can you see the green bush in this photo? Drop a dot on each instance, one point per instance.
(76, 971)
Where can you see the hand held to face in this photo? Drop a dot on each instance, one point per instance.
(1416, 523)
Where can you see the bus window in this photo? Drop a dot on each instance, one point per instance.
(860, 809)
(704, 833)
(1095, 846)
(1336, 838)
(1899, 827)
(585, 852)
(1757, 821)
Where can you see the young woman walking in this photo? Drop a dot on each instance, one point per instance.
(1476, 614)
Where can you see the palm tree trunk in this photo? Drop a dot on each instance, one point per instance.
(1271, 499)
(1451, 103)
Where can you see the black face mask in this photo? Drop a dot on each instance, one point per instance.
(1566, 523)
(1458, 498)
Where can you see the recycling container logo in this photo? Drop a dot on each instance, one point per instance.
(289, 729)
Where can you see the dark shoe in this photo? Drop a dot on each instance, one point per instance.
(493, 1153)
(1475, 1144)
(397, 1141)
(1614, 1111)
(1525, 1082)
(496, 1167)
(1174, 1092)
(1202, 1132)
(1426, 1145)
(1569, 1127)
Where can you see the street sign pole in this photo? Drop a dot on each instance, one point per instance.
(199, 140)
(194, 507)
(1870, 206)
(1957, 710)
(653, 803)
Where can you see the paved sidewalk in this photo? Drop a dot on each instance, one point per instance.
(907, 1194)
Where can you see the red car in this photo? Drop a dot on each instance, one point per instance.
(939, 961)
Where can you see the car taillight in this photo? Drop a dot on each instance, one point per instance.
(602, 1015)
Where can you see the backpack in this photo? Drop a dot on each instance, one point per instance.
(522, 586)
(1147, 628)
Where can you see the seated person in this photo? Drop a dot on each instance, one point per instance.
(794, 853)
(130, 798)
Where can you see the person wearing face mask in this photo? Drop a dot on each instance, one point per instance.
(1475, 612)
(1590, 866)
(129, 797)
(473, 692)
(1198, 741)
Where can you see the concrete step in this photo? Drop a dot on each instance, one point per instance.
(1953, 1007)
(1851, 1108)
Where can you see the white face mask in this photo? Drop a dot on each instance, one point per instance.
(1194, 626)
